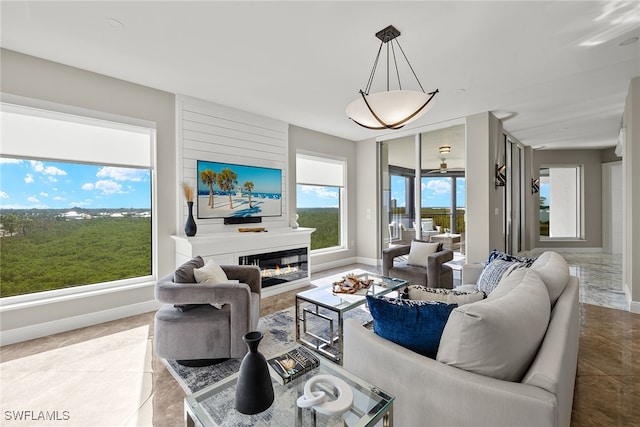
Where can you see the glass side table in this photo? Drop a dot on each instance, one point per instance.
(215, 405)
(314, 304)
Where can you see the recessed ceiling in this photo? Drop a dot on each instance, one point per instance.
(542, 66)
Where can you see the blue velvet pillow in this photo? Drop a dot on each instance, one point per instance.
(416, 325)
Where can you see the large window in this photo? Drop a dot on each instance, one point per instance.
(443, 199)
(560, 202)
(75, 201)
(320, 199)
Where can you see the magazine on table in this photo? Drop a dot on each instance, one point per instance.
(292, 364)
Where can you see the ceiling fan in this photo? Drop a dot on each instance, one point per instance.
(444, 169)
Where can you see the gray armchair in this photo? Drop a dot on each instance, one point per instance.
(435, 275)
(190, 330)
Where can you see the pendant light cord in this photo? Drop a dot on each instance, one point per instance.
(395, 61)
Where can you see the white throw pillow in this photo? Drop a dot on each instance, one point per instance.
(499, 337)
(420, 251)
(211, 273)
(450, 296)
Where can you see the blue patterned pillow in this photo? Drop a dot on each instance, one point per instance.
(416, 325)
(496, 254)
(494, 272)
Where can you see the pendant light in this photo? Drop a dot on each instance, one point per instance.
(391, 109)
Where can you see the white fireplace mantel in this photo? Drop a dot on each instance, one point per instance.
(228, 247)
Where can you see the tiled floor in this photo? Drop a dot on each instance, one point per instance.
(108, 375)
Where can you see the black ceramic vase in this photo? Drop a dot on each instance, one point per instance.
(190, 227)
(254, 391)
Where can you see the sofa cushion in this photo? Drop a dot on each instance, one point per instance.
(499, 337)
(507, 283)
(416, 325)
(494, 272)
(419, 252)
(184, 273)
(554, 271)
(449, 296)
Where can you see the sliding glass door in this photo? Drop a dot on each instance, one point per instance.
(425, 197)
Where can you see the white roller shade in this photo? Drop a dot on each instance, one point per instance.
(30, 132)
(312, 170)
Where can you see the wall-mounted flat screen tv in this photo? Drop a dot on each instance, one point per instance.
(227, 190)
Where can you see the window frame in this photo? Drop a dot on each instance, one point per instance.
(57, 110)
(579, 168)
(342, 197)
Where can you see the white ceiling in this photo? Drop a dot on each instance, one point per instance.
(302, 62)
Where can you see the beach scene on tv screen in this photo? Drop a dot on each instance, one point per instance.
(229, 190)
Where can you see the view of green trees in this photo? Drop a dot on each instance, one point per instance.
(326, 221)
(441, 217)
(53, 253)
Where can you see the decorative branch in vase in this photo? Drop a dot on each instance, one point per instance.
(190, 227)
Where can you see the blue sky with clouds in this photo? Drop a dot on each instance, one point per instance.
(27, 184)
(314, 196)
(436, 192)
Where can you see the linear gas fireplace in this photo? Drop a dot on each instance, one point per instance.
(280, 266)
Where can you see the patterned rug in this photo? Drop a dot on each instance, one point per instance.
(279, 335)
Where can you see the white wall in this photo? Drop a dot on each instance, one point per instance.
(37, 78)
(212, 132)
(631, 174)
(367, 197)
(484, 204)
(612, 208)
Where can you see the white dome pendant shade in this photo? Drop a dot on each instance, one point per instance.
(389, 110)
(394, 108)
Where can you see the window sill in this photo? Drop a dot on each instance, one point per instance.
(331, 250)
(561, 239)
(68, 294)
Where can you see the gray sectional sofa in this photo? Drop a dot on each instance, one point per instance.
(469, 382)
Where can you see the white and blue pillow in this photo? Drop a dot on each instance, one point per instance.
(496, 254)
(494, 272)
(498, 266)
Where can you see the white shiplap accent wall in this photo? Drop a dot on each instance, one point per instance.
(208, 131)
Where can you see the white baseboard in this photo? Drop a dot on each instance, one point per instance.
(540, 250)
(368, 261)
(634, 307)
(332, 264)
(285, 287)
(39, 330)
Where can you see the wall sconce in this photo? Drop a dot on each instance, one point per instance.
(444, 149)
(535, 185)
(501, 175)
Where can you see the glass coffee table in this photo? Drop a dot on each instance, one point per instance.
(320, 313)
(215, 405)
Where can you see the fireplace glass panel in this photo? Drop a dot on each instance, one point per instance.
(280, 266)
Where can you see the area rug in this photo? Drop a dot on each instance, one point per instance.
(279, 335)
